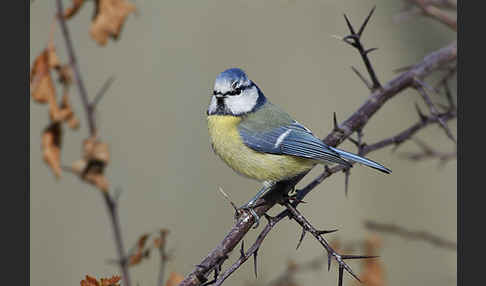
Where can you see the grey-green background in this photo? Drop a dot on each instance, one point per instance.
(153, 119)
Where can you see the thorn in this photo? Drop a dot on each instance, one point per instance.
(343, 257)
(242, 249)
(422, 116)
(228, 198)
(370, 50)
(321, 232)
(402, 69)
(337, 37)
(366, 21)
(350, 27)
(347, 172)
(363, 79)
(341, 272)
(255, 262)
(301, 238)
(336, 126)
(328, 261)
(102, 91)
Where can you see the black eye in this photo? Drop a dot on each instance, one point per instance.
(214, 92)
(237, 91)
(234, 85)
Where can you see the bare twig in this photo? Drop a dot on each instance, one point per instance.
(354, 39)
(418, 235)
(88, 108)
(409, 132)
(113, 214)
(433, 110)
(77, 73)
(102, 92)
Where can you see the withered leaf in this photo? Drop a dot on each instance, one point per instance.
(139, 252)
(113, 281)
(51, 147)
(65, 74)
(174, 279)
(91, 281)
(95, 158)
(71, 11)
(41, 84)
(109, 18)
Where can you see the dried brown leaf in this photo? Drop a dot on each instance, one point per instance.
(113, 281)
(174, 279)
(51, 147)
(91, 281)
(41, 84)
(109, 18)
(91, 167)
(71, 11)
(65, 74)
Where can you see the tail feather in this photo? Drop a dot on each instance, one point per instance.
(362, 160)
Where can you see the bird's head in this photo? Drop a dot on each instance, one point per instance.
(234, 94)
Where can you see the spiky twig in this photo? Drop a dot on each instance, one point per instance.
(110, 203)
(354, 39)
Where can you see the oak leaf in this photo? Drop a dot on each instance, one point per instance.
(110, 16)
(51, 147)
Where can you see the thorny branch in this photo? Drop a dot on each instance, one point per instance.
(419, 235)
(214, 260)
(89, 108)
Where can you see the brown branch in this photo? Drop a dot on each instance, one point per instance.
(110, 203)
(409, 132)
(418, 235)
(356, 121)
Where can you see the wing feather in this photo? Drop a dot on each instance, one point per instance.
(293, 139)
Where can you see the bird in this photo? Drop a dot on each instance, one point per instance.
(261, 141)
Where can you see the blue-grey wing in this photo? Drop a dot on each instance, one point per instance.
(292, 139)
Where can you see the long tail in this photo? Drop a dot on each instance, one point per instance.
(362, 160)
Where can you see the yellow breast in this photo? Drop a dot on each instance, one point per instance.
(229, 146)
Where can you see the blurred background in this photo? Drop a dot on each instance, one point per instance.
(154, 120)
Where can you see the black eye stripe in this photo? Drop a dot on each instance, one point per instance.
(236, 91)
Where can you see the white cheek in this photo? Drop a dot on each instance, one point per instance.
(212, 105)
(242, 103)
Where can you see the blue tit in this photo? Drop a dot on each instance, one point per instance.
(261, 141)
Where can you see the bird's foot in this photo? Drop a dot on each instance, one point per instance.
(249, 208)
